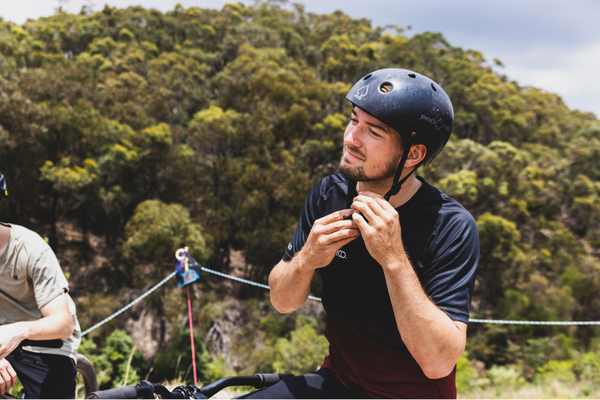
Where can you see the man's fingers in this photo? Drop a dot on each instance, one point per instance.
(334, 238)
(8, 376)
(372, 205)
(333, 217)
(5, 382)
(365, 205)
(341, 243)
(375, 201)
(334, 222)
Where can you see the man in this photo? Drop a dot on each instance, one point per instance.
(398, 265)
(34, 305)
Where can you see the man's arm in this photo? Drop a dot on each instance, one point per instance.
(56, 323)
(290, 280)
(433, 339)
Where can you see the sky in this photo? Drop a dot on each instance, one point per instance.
(553, 45)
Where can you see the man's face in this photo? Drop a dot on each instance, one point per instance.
(372, 149)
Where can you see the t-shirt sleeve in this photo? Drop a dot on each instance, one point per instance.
(309, 214)
(450, 278)
(48, 278)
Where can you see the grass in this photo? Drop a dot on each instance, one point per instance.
(551, 390)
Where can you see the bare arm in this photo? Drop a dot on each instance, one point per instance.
(290, 281)
(433, 339)
(56, 323)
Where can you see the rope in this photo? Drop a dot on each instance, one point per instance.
(261, 285)
(128, 306)
(509, 322)
(192, 335)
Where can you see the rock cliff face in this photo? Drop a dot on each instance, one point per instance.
(143, 332)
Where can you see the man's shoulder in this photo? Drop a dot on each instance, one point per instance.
(330, 189)
(330, 181)
(32, 241)
(439, 205)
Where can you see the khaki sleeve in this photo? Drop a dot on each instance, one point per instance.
(48, 278)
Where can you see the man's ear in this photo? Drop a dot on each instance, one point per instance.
(416, 155)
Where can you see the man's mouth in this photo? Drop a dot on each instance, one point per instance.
(348, 153)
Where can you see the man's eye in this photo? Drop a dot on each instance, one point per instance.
(374, 133)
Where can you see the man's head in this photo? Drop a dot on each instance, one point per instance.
(412, 105)
(372, 149)
(3, 188)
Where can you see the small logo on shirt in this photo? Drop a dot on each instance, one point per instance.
(290, 246)
(341, 254)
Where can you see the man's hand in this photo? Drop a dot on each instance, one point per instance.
(382, 234)
(327, 236)
(8, 376)
(290, 280)
(11, 336)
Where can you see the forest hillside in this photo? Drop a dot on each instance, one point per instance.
(126, 134)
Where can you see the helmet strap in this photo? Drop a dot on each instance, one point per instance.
(397, 182)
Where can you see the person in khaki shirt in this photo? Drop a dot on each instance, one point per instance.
(34, 305)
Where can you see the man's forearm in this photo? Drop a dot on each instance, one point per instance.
(290, 284)
(55, 326)
(433, 339)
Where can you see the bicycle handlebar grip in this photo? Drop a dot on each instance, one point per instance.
(271, 379)
(125, 392)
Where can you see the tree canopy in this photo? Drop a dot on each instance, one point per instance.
(137, 125)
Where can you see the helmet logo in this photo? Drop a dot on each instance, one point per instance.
(362, 92)
(437, 123)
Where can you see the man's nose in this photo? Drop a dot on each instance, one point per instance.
(352, 137)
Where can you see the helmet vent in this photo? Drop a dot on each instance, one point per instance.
(412, 76)
(367, 77)
(386, 87)
(433, 87)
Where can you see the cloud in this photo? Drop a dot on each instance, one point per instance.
(571, 74)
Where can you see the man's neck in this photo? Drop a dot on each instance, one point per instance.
(5, 233)
(408, 190)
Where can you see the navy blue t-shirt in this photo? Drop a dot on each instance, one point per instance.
(441, 240)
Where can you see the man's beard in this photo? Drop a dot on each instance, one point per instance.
(358, 173)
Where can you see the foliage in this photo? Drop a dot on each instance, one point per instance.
(178, 354)
(118, 363)
(207, 128)
(466, 374)
(302, 352)
(155, 231)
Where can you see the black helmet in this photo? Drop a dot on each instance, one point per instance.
(414, 105)
(3, 187)
(408, 102)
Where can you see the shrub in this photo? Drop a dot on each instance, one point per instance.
(175, 362)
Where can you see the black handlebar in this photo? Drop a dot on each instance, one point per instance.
(125, 392)
(147, 390)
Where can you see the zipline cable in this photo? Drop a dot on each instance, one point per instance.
(261, 285)
(128, 306)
